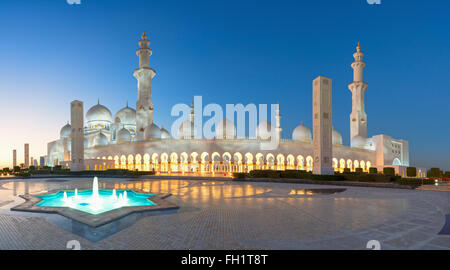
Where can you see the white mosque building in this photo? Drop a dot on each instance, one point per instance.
(130, 139)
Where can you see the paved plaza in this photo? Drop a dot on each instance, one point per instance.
(235, 215)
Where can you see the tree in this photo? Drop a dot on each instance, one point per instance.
(434, 172)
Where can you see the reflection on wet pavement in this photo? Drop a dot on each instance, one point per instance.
(236, 215)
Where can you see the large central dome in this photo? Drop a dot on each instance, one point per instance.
(99, 113)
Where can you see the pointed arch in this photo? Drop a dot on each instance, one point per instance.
(280, 162)
(309, 163)
(300, 162)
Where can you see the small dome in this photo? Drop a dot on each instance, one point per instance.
(264, 130)
(302, 133)
(337, 137)
(126, 116)
(358, 142)
(99, 113)
(187, 129)
(100, 139)
(225, 129)
(66, 131)
(165, 134)
(123, 135)
(152, 132)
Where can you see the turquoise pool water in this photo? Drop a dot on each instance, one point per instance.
(106, 200)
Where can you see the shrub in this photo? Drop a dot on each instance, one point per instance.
(411, 172)
(359, 170)
(347, 170)
(239, 175)
(292, 174)
(376, 178)
(24, 174)
(16, 169)
(415, 181)
(373, 170)
(388, 171)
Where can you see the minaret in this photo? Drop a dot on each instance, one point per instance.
(192, 118)
(144, 75)
(77, 135)
(278, 128)
(358, 117)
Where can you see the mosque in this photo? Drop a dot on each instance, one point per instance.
(130, 139)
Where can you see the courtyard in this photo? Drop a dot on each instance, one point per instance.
(222, 214)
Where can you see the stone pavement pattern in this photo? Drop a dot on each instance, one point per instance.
(236, 215)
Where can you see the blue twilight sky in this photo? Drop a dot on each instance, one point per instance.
(229, 52)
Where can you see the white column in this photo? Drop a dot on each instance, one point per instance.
(77, 135)
(322, 123)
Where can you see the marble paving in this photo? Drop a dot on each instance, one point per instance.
(237, 215)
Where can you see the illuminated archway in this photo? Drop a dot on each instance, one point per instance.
(174, 162)
(356, 164)
(341, 164)
(194, 162)
(237, 160)
(362, 164)
(270, 161)
(309, 163)
(184, 161)
(164, 162)
(215, 158)
(280, 162)
(335, 164)
(349, 164)
(130, 163)
(260, 161)
(290, 160)
(116, 162)
(138, 159)
(300, 162)
(205, 162)
(249, 162)
(147, 162)
(123, 162)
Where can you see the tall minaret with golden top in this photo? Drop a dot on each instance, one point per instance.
(144, 75)
(358, 117)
